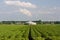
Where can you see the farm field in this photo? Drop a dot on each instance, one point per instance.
(30, 32)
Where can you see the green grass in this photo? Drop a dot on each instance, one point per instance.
(38, 32)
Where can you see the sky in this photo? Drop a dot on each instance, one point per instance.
(23, 10)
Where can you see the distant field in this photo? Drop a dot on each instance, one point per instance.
(30, 32)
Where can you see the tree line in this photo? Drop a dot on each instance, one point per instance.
(24, 22)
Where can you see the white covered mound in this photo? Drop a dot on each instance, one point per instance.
(31, 23)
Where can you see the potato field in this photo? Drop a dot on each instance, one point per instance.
(30, 32)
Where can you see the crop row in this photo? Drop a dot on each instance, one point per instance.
(14, 32)
(46, 32)
(30, 32)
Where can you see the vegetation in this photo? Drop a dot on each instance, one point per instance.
(24, 22)
(30, 32)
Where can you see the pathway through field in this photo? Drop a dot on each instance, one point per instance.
(30, 37)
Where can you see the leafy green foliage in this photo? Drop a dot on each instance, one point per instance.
(30, 32)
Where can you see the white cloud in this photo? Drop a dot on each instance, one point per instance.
(19, 3)
(26, 12)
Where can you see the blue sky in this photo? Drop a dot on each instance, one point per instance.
(19, 10)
